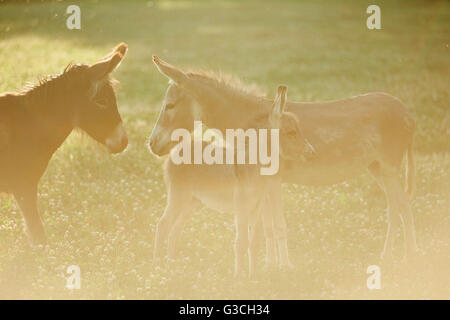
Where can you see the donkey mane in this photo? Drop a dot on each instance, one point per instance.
(227, 82)
(49, 81)
(54, 85)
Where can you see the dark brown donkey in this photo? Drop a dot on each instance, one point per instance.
(36, 121)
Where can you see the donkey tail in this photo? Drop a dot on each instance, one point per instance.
(411, 172)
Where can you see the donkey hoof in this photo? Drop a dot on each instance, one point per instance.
(386, 258)
(172, 256)
(252, 276)
(170, 260)
(157, 260)
(38, 240)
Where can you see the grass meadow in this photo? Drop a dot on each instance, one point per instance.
(100, 211)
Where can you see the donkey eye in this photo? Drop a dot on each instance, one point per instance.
(101, 102)
(101, 105)
(170, 106)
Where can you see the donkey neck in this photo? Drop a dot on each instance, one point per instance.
(49, 108)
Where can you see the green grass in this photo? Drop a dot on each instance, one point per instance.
(100, 211)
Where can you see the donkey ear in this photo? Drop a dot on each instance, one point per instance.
(121, 48)
(103, 68)
(169, 71)
(280, 100)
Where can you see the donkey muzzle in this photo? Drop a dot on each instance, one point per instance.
(157, 148)
(118, 140)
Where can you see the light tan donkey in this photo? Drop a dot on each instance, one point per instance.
(238, 188)
(371, 132)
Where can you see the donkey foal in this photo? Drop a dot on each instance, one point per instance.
(230, 187)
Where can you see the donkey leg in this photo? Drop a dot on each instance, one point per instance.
(255, 232)
(271, 250)
(411, 248)
(177, 229)
(171, 213)
(241, 243)
(281, 235)
(27, 200)
(280, 227)
(393, 191)
(409, 233)
(241, 246)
